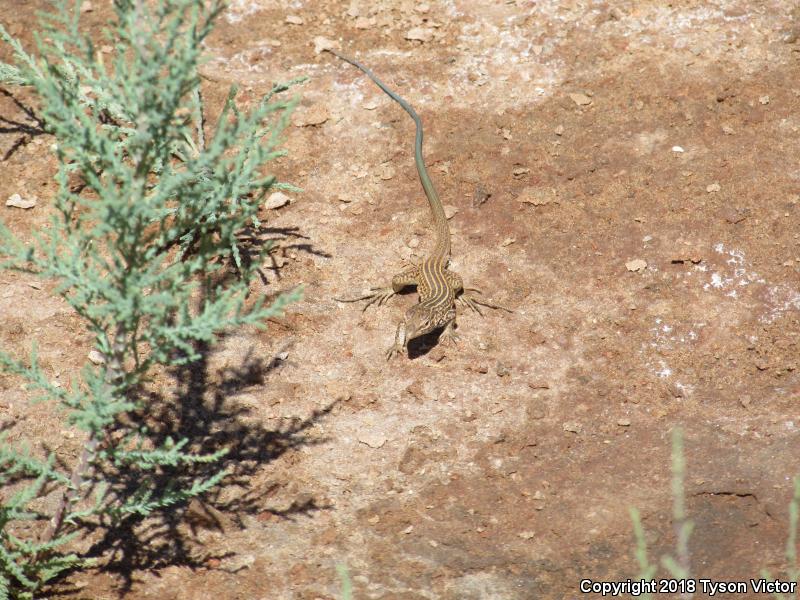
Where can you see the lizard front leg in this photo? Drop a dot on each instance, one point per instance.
(380, 295)
(400, 341)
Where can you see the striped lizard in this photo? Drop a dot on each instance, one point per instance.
(437, 286)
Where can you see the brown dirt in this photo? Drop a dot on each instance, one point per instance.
(504, 468)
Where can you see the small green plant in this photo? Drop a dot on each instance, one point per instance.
(792, 567)
(347, 583)
(678, 566)
(149, 208)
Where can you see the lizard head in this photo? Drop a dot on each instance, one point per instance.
(421, 319)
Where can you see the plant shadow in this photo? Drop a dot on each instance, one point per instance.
(205, 412)
(27, 131)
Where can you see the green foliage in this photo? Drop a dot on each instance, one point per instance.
(792, 567)
(145, 234)
(678, 566)
(347, 583)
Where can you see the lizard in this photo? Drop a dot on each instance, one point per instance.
(438, 287)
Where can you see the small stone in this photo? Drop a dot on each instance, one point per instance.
(316, 115)
(408, 530)
(581, 99)
(479, 196)
(420, 34)
(97, 357)
(519, 172)
(423, 8)
(526, 535)
(371, 105)
(736, 215)
(764, 99)
(450, 211)
(507, 242)
(713, 188)
(572, 427)
(677, 149)
(413, 243)
(86, 6)
(373, 439)
(386, 172)
(559, 130)
(294, 20)
(322, 43)
(374, 520)
(535, 196)
(277, 200)
(636, 265)
(17, 201)
(364, 23)
(624, 422)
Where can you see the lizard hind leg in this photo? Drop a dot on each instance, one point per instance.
(379, 295)
(470, 298)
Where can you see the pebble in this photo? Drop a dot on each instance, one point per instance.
(526, 535)
(276, 200)
(520, 171)
(420, 34)
(97, 357)
(322, 43)
(677, 149)
(18, 201)
(535, 196)
(559, 130)
(316, 115)
(386, 172)
(450, 211)
(713, 188)
(294, 20)
(624, 422)
(364, 23)
(572, 427)
(581, 99)
(636, 265)
(764, 99)
(373, 439)
(479, 196)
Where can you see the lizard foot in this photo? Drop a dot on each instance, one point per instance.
(377, 295)
(396, 349)
(450, 337)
